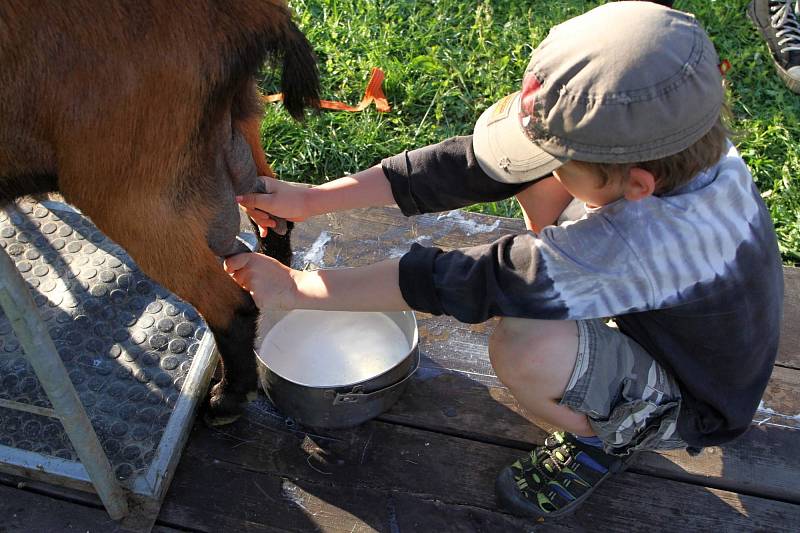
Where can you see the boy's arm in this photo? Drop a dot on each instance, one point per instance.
(373, 287)
(585, 270)
(588, 272)
(543, 202)
(441, 177)
(274, 286)
(435, 178)
(285, 200)
(364, 189)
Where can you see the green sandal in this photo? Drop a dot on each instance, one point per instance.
(555, 478)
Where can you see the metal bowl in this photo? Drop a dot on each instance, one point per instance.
(332, 369)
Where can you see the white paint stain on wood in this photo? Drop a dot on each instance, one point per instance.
(470, 227)
(399, 251)
(316, 253)
(766, 416)
(292, 493)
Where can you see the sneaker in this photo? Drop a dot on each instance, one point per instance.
(555, 478)
(777, 21)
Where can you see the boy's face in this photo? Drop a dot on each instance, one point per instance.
(586, 185)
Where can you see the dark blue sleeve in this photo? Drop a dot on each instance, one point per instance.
(503, 278)
(441, 177)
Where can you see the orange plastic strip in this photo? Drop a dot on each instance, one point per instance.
(724, 67)
(373, 94)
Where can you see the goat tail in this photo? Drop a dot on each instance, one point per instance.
(300, 77)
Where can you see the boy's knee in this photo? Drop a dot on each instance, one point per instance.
(519, 349)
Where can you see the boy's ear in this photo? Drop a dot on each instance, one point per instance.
(640, 184)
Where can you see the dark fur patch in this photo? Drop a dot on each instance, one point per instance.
(228, 80)
(277, 246)
(13, 187)
(237, 342)
(243, 59)
(240, 379)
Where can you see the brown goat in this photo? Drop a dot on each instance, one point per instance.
(144, 114)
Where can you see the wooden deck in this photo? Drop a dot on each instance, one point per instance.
(429, 464)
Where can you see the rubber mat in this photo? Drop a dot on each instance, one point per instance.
(127, 343)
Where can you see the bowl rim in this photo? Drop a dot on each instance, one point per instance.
(414, 348)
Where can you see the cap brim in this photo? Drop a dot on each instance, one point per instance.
(503, 150)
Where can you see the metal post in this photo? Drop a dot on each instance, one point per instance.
(32, 334)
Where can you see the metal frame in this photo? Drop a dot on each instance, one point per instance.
(136, 507)
(40, 351)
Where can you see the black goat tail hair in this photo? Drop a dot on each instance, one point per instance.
(300, 76)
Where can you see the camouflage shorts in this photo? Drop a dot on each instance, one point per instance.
(631, 401)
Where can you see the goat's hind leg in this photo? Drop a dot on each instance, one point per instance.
(239, 383)
(174, 248)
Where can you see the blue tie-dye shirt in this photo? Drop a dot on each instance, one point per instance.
(693, 276)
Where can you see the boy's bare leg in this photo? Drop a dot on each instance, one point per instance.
(535, 360)
(542, 203)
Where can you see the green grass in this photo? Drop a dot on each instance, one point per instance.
(447, 60)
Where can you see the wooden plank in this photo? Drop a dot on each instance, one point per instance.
(363, 236)
(302, 505)
(780, 406)
(763, 461)
(233, 498)
(259, 475)
(789, 349)
(250, 487)
(459, 472)
(217, 496)
(24, 511)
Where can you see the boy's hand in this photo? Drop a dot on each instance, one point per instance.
(275, 286)
(270, 283)
(282, 200)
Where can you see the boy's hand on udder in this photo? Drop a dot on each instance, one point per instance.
(281, 200)
(269, 282)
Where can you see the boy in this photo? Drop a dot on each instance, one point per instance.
(674, 242)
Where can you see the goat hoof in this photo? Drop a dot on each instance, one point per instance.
(225, 407)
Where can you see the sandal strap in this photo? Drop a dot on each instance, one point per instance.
(560, 471)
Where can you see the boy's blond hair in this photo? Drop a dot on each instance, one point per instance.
(673, 171)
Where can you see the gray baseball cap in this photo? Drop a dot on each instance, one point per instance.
(623, 83)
